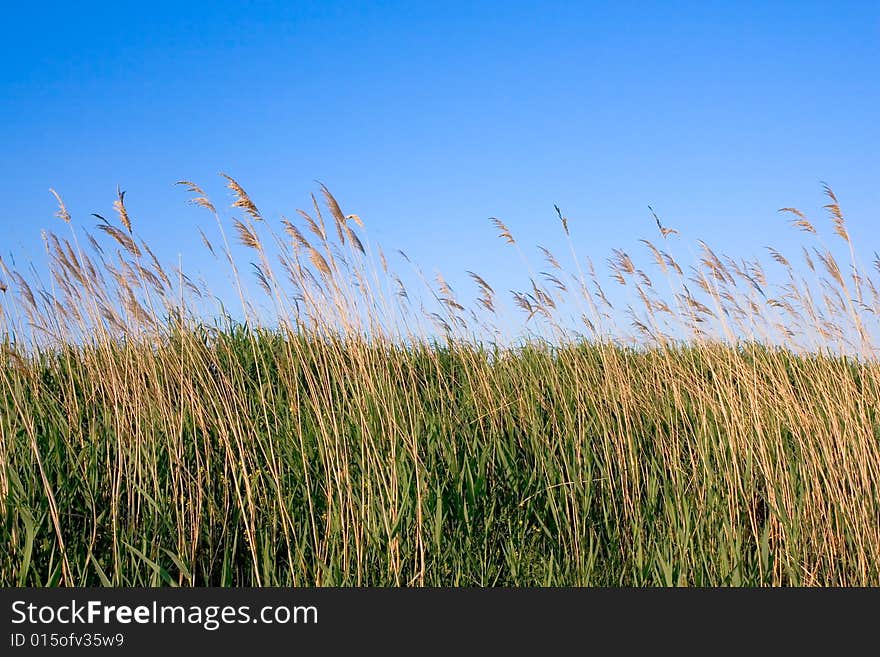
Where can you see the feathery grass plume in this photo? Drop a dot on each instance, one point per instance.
(639, 325)
(246, 236)
(664, 232)
(548, 256)
(694, 303)
(447, 295)
(401, 288)
(624, 261)
(808, 259)
(62, 212)
(294, 232)
(836, 214)
(745, 275)
(71, 255)
(333, 205)
(319, 261)
(600, 293)
(778, 257)
(157, 267)
(558, 284)
(201, 198)
(242, 200)
(261, 278)
(207, 242)
(800, 220)
(95, 277)
(317, 229)
(438, 321)
(445, 290)
(67, 259)
(356, 219)
(319, 215)
(831, 266)
(111, 317)
(670, 261)
(96, 246)
(522, 301)
(482, 283)
(758, 272)
(699, 278)
(339, 229)
(353, 238)
(451, 303)
(503, 230)
(121, 238)
(591, 269)
(128, 272)
(487, 294)
(658, 258)
(55, 245)
(541, 296)
(119, 206)
(714, 264)
(620, 264)
(150, 278)
(662, 306)
(562, 219)
(187, 282)
(136, 310)
(24, 290)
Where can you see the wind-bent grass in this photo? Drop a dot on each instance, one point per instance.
(347, 443)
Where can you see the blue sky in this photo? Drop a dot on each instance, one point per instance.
(428, 118)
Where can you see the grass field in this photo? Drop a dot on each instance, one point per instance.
(725, 432)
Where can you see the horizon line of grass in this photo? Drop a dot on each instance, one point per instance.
(371, 433)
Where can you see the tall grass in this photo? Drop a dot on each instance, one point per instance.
(346, 427)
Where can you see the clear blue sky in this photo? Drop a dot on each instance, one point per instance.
(426, 119)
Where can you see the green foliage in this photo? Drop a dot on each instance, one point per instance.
(281, 459)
